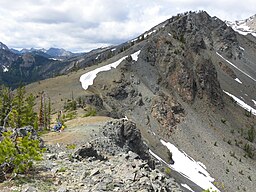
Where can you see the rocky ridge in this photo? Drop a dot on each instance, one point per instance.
(109, 162)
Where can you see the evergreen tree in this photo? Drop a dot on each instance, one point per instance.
(49, 113)
(41, 113)
(18, 108)
(5, 104)
(45, 114)
(30, 115)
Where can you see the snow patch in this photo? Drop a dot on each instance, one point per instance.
(5, 69)
(254, 102)
(113, 49)
(135, 55)
(149, 33)
(236, 67)
(88, 78)
(242, 103)
(187, 187)
(238, 80)
(188, 167)
(134, 40)
(241, 48)
(97, 56)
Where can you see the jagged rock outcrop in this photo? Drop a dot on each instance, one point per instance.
(126, 135)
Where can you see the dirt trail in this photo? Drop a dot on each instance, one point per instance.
(78, 130)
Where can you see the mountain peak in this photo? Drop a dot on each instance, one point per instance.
(3, 46)
(244, 27)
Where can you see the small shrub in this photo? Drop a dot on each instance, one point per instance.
(70, 105)
(70, 115)
(167, 171)
(251, 134)
(18, 154)
(248, 113)
(249, 151)
(71, 146)
(90, 111)
(241, 172)
(223, 120)
(62, 169)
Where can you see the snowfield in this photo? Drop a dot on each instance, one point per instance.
(87, 78)
(189, 168)
(242, 103)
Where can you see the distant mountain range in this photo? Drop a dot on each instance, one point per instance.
(244, 27)
(57, 53)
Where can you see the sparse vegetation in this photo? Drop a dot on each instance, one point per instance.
(251, 134)
(18, 154)
(62, 169)
(248, 113)
(69, 116)
(223, 120)
(71, 146)
(167, 171)
(248, 149)
(90, 111)
(70, 105)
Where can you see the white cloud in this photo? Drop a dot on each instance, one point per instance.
(83, 25)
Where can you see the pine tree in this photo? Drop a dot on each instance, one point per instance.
(30, 115)
(6, 98)
(45, 114)
(41, 113)
(18, 108)
(18, 104)
(49, 113)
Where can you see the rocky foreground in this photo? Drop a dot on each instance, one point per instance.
(115, 160)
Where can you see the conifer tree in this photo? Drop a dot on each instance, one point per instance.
(30, 115)
(41, 113)
(49, 113)
(6, 104)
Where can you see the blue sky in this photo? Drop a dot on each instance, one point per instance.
(82, 25)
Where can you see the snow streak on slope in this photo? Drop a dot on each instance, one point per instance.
(254, 102)
(236, 67)
(242, 103)
(188, 167)
(135, 55)
(87, 78)
(238, 80)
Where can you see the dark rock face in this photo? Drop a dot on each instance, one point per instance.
(179, 52)
(126, 135)
(94, 100)
(86, 151)
(118, 93)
